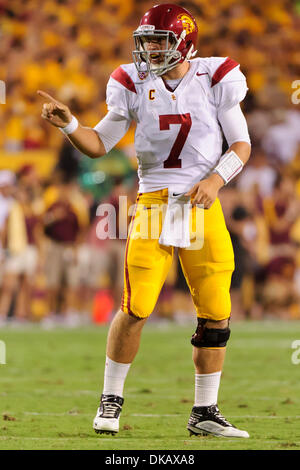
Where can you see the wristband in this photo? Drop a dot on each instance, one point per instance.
(229, 166)
(71, 127)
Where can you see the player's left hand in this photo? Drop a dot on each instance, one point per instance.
(206, 191)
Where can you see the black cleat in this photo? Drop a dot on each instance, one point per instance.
(206, 420)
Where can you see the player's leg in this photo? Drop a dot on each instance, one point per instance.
(12, 269)
(9, 286)
(124, 337)
(54, 265)
(30, 260)
(116, 255)
(146, 268)
(208, 360)
(122, 346)
(208, 273)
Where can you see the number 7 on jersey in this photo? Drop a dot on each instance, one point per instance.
(185, 122)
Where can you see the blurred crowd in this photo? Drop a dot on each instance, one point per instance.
(70, 47)
(53, 265)
(57, 264)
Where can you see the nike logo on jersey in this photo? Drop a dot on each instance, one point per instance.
(198, 74)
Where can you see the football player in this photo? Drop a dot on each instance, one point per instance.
(181, 106)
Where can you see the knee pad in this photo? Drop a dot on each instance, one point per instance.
(209, 337)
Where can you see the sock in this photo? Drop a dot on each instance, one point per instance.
(114, 377)
(206, 388)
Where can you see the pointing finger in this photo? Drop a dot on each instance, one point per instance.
(48, 106)
(48, 97)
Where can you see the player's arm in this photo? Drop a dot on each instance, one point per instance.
(94, 142)
(242, 150)
(87, 141)
(235, 129)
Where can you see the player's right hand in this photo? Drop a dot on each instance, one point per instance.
(55, 112)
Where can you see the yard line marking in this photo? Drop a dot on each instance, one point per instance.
(265, 417)
(153, 415)
(157, 415)
(66, 413)
(79, 393)
(116, 439)
(142, 415)
(42, 391)
(52, 438)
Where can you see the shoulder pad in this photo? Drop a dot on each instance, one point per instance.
(124, 75)
(221, 69)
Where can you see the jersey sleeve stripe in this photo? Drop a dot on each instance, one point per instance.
(122, 77)
(222, 70)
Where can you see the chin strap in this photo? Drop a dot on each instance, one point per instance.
(191, 53)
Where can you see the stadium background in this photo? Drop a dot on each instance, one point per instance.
(69, 49)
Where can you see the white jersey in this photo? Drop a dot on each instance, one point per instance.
(178, 138)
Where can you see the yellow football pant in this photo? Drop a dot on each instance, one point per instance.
(207, 270)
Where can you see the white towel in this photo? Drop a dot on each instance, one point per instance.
(176, 224)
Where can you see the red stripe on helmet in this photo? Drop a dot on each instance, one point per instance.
(122, 77)
(221, 71)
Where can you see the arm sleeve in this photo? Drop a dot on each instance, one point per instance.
(112, 128)
(234, 125)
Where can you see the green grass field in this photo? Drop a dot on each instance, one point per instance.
(50, 385)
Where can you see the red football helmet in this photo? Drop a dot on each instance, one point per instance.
(171, 23)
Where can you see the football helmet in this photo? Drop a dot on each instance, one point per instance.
(170, 25)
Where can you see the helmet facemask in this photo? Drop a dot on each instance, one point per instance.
(171, 55)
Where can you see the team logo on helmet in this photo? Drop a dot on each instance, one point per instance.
(187, 23)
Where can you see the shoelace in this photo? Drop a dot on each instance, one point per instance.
(217, 414)
(110, 410)
(221, 417)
